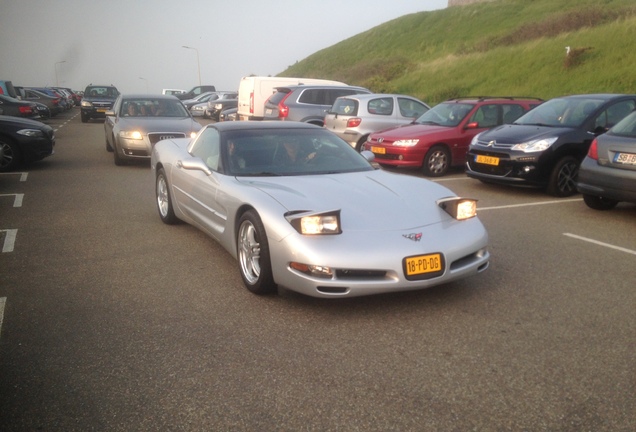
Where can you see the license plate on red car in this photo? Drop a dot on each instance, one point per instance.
(378, 150)
(625, 158)
(423, 266)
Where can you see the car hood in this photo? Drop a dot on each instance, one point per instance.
(369, 201)
(158, 124)
(515, 134)
(411, 131)
(22, 122)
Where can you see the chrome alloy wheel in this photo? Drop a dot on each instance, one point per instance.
(249, 251)
(163, 199)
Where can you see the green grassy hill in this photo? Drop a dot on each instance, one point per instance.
(498, 48)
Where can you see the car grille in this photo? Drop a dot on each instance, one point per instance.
(155, 137)
(102, 104)
(493, 144)
(360, 274)
(386, 156)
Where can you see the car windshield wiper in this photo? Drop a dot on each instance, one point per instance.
(263, 174)
(429, 122)
(535, 124)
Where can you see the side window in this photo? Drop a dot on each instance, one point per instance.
(381, 106)
(511, 113)
(410, 108)
(207, 147)
(614, 114)
(486, 116)
(333, 94)
(312, 96)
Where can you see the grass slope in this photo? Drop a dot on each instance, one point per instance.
(503, 47)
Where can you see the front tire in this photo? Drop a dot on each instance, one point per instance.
(163, 199)
(9, 155)
(563, 178)
(116, 157)
(599, 203)
(436, 162)
(253, 254)
(85, 118)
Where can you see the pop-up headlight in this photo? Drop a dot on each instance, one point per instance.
(316, 224)
(459, 208)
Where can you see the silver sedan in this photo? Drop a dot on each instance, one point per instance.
(300, 208)
(137, 122)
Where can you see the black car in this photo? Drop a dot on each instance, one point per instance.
(17, 108)
(544, 147)
(23, 141)
(97, 100)
(608, 173)
(217, 106)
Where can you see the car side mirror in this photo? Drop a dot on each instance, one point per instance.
(599, 130)
(194, 163)
(368, 155)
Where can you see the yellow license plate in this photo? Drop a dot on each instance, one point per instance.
(488, 160)
(378, 150)
(101, 110)
(423, 264)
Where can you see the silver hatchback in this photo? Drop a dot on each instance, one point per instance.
(354, 118)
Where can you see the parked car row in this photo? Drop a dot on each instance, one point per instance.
(502, 140)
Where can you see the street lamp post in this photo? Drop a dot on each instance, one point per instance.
(198, 61)
(57, 82)
(141, 78)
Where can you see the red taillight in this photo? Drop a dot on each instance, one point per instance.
(252, 103)
(26, 110)
(354, 122)
(56, 101)
(593, 151)
(283, 110)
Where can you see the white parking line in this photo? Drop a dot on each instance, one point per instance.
(9, 239)
(17, 202)
(23, 175)
(529, 204)
(3, 300)
(607, 245)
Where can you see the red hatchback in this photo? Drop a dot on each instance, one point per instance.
(440, 137)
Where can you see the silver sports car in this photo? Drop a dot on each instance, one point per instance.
(137, 122)
(299, 208)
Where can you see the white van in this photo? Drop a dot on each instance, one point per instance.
(254, 91)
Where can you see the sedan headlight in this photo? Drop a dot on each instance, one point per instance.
(406, 142)
(31, 132)
(136, 135)
(459, 208)
(534, 145)
(316, 224)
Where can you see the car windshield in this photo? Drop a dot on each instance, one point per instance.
(626, 127)
(283, 152)
(445, 114)
(145, 107)
(561, 112)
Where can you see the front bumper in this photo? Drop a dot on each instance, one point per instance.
(521, 170)
(359, 268)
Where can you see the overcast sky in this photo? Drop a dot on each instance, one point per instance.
(137, 45)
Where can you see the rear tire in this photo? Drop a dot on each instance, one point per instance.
(253, 254)
(563, 178)
(599, 203)
(436, 162)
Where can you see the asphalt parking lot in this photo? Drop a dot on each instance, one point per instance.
(110, 320)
